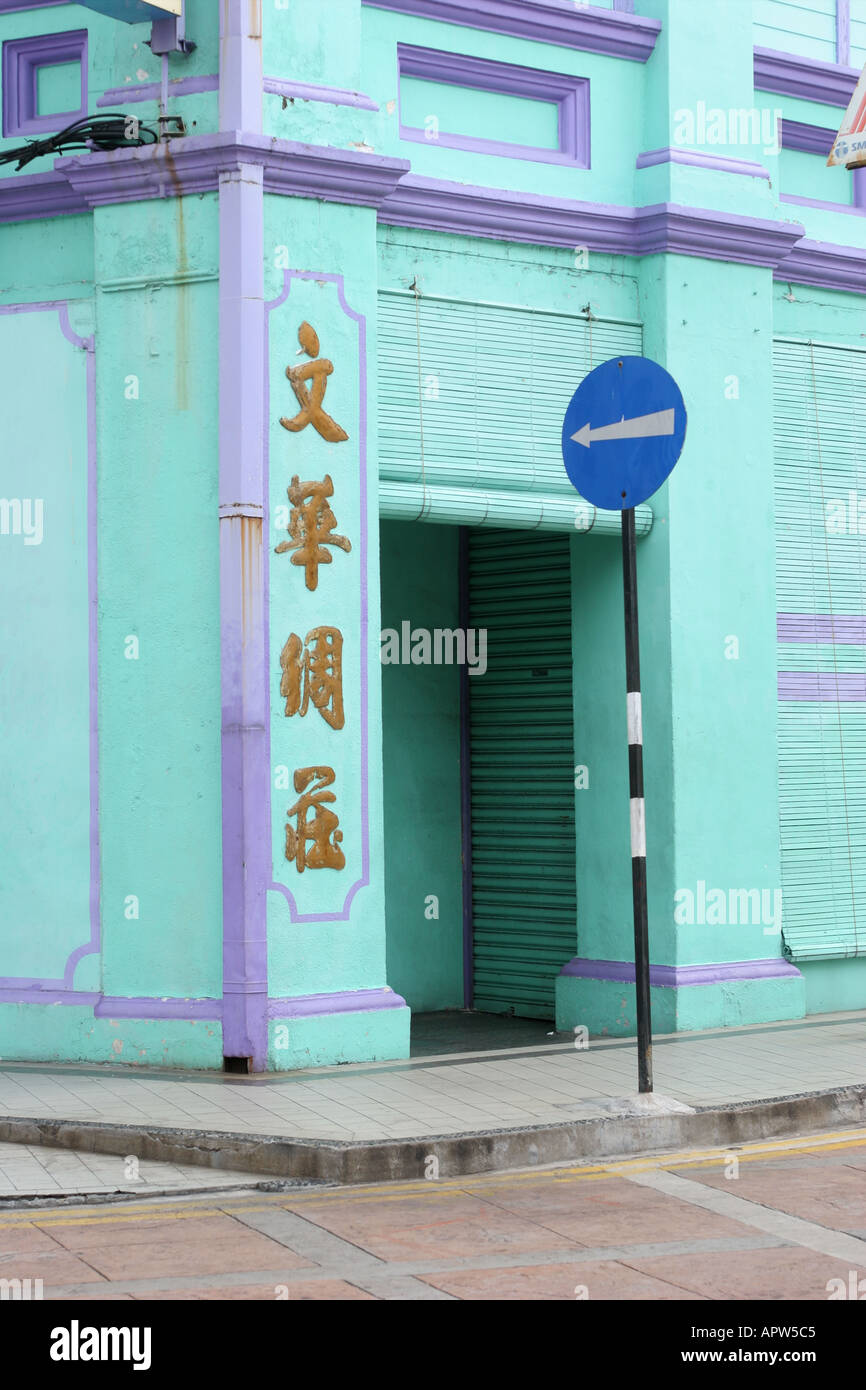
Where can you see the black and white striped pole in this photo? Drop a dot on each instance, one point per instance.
(636, 806)
(624, 429)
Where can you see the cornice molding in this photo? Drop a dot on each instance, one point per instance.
(672, 228)
(664, 227)
(440, 206)
(615, 33)
(825, 264)
(194, 165)
(793, 76)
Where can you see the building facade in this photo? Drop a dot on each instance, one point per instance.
(312, 664)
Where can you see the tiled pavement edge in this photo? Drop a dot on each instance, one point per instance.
(473, 1113)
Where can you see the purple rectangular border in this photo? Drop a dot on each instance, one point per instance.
(333, 278)
(816, 139)
(32, 989)
(22, 59)
(570, 95)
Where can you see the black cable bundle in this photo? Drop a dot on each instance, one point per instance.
(103, 132)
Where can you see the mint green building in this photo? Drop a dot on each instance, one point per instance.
(312, 674)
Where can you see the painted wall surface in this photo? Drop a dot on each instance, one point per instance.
(421, 766)
(326, 924)
(119, 58)
(133, 707)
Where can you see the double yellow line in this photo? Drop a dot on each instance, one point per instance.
(225, 1204)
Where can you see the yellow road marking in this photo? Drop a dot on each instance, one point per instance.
(191, 1207)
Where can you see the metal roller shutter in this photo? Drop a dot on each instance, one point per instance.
(524, 895)
(820, 472)
(473, 395)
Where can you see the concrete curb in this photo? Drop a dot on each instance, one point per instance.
(479, 1151)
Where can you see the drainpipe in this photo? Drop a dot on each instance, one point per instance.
(245, 828)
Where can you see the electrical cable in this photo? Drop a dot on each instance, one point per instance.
(108, 131)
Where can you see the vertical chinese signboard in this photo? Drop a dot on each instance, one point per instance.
(316, 602)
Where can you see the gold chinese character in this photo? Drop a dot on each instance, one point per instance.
(313, 670)
(311, 412)
(310, 526)
(320, 828)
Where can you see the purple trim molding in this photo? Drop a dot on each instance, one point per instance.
(811, 139)
(307, 91)
(334, 279)
(843, 32)
(245, 777)
(194, 164)
(678, 976)
(673, 154)
(14, 6)
(22, 59)
(93, 944)
(666, 227)
(808, 78)
(243, 681)
(240, 89)
(844, 630)
(825, 264)
(617, 33)
(344, 1002)
(113, 1006)
(152, 91)
(28, 196)
(842, 687)
(570, 95)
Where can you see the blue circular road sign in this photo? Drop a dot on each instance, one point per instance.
(623, 432)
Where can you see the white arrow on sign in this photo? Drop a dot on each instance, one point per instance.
(641, 427)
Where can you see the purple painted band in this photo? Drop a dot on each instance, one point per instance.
(618, 33)
(343, 1002)
(111, 1006)
(678, 976)
(672, 154)
(808, 78)
(151, 91)
(308, 91)
(117, 1007)
(811, 139)
(846, 687)
(821, 627)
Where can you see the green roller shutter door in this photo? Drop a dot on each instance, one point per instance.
(820, 471)
(524, 900)
(473, 395)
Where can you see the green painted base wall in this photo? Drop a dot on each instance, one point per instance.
(68, 1033)
(421, 756)
(607, 1008)
(834, 985)
(375, 1036)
